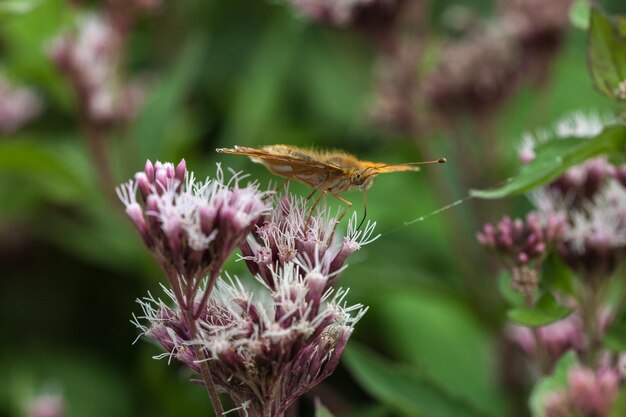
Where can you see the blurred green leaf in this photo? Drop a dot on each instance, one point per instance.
(554, 157)
(256, 108)
(579, 14)
(619, 406)
(24, 44)
(320, 410)
(551, 383)
(556, 275)
(377, 410)
(113, 241)
(607, 52)
(437, 321)
(12, 8)
(546, 311)
(615, 338)
(42, 166)
(152, 126)
(403, 388)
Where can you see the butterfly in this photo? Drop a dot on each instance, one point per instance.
(329, 172)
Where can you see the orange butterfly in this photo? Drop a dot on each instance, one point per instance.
(332, 172)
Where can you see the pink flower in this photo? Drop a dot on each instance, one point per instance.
(46, 405)
(17, 106)
(90, 57)
(292, 234)
(521, 242)
(284, 340)
(190, 226)
(589, 393)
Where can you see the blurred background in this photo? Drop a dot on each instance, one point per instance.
(90, 90)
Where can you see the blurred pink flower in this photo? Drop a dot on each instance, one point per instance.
(589, 393)
(18, 105)
(46, 405)
(90, 58)
(522, 241)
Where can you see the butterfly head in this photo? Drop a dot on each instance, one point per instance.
(362, 179)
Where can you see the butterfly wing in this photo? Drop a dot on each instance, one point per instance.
(290, 162)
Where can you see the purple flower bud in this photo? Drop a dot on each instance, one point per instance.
(135, 213)
(149, 170)
(17, 106)
(181, 171)
(521, 242)
(144, 184)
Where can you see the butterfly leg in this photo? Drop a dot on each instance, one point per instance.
(364, 210)
(313, 207)
(344, 212)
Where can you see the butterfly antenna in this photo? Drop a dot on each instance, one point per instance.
(364, 210)
(434, 161)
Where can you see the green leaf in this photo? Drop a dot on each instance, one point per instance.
(556, 275)
(320, 410)
(555, 157)
(374, 410)
(607, 52)
(43, 166)
(403, 388)
(615, 336)
(546, 311)
(151, 128)
(619, 406)
(556, 381)
(262, 87)
(439, 319)
(579, 14)
(12, 8)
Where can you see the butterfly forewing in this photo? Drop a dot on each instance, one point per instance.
(292, 163)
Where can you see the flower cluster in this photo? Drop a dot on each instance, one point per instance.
(17, 106)
(266, 349)
(475, 73)
(539, 27)
(292, 234)
(191, 227)
(589, 393)
(587, 206)
(89, 57)
(484, 68)
(521, 242)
